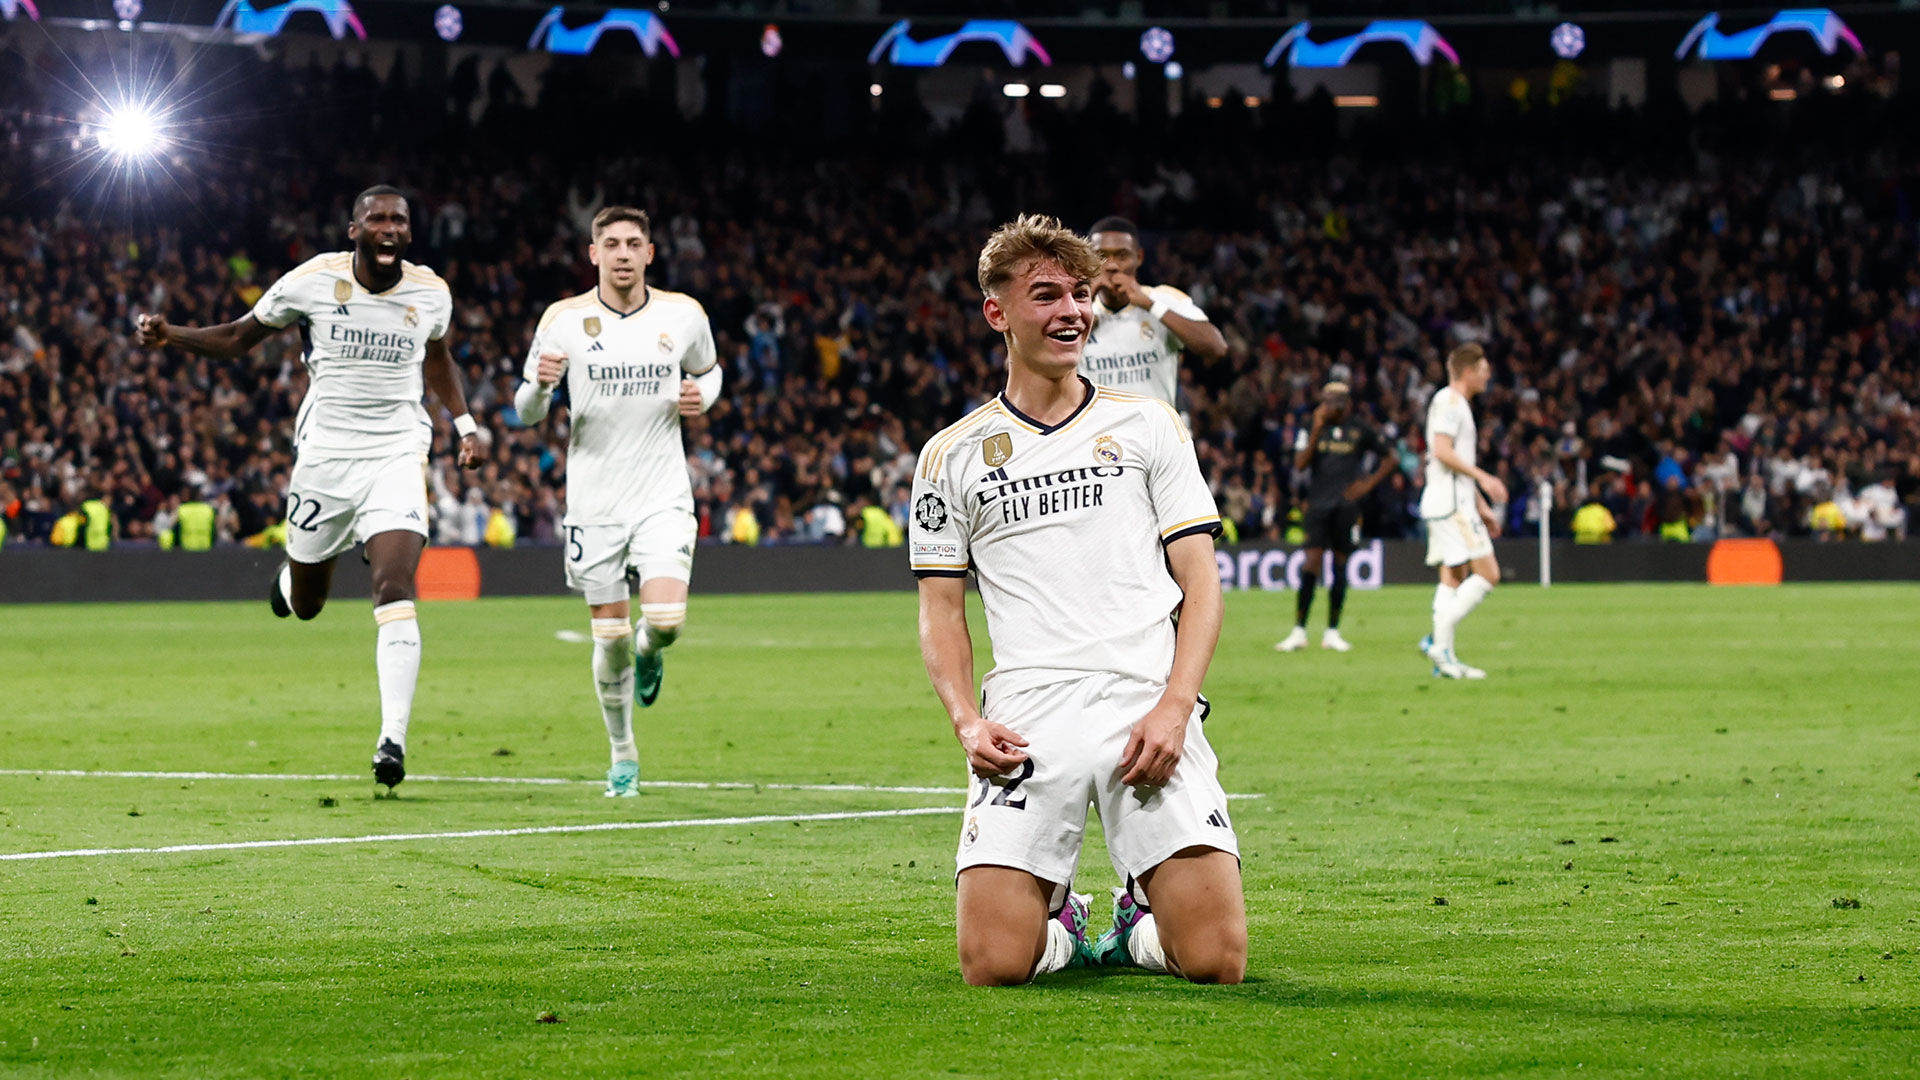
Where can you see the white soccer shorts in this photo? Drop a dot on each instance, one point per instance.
(334, 503)
(1034, 818)
(1457, 539)
(660, 545)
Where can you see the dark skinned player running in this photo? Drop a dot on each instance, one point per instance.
(1333, 453)
(375, 328)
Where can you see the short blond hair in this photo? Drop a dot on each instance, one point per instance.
(1029, 238)
(1463, 358)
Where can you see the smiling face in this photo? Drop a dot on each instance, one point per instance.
(1045, 312)
(380, 230)
(622, 252)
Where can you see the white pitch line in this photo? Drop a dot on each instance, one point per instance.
(468, 834)
(543, 781)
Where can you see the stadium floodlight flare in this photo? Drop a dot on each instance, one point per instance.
(1706, 42)
(131, 131)
(447, 22)
(1301, 51)
(770, 41)
(12, 9)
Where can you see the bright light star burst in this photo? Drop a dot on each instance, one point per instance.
(132, 131)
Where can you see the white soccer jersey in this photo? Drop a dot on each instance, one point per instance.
(363, 355)
(1447, 491)
(1131, 350)
(1065, 527)
(625, 460)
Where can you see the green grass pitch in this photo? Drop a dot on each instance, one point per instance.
(1675, 833)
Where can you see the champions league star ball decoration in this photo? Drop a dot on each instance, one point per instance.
(448, 23)
(1568, 40)
(1156, 44)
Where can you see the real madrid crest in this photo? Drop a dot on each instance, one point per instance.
(666, 344)
(1146, 331)
(342, 291)
(1106, 450)
(591, 325)
(997, 450)
(412, 317)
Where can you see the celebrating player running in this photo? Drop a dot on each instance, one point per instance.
(631, 361)
(1083, 513)
(374, 325)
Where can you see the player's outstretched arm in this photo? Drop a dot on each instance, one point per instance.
(228, 341)
(947, 648)
(1158, 739)
(443, 378)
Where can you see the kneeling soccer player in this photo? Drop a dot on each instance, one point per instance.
(1083, 513)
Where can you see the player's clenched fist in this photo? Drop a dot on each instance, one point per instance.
(690, 404)
(152, 331)
(552, 366)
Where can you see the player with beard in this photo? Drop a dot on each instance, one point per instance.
(375, 328)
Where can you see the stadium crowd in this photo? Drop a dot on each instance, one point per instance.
(1702, 325)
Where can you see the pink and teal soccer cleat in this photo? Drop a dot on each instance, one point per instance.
(1111, 950)
(1074, 915)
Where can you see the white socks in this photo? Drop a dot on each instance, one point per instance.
(1452, 605)
(1059, 950)
(1143, 945)
(613, 683)
(663, 622)
(397, 659)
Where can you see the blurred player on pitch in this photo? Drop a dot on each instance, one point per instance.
(1333, 455)
(374, 326)
(1083, 513)
(1460, 523)
(1139, 331)
(629, 362)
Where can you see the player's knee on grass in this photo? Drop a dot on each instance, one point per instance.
(1489, 569)
(1315, 558)
(1200, 915)
(997, 960)
(306, 608)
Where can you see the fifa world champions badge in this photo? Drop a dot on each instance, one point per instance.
(997, 450)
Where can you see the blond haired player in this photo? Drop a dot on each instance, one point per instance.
(632, 361)
(1082, 512)
(1460, 524)
(375, 325)
(1139, 331)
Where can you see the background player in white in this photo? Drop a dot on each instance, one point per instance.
(1084, 515)
(1460, 523)
(1139, 331)
(635, 360)
(375, 325)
